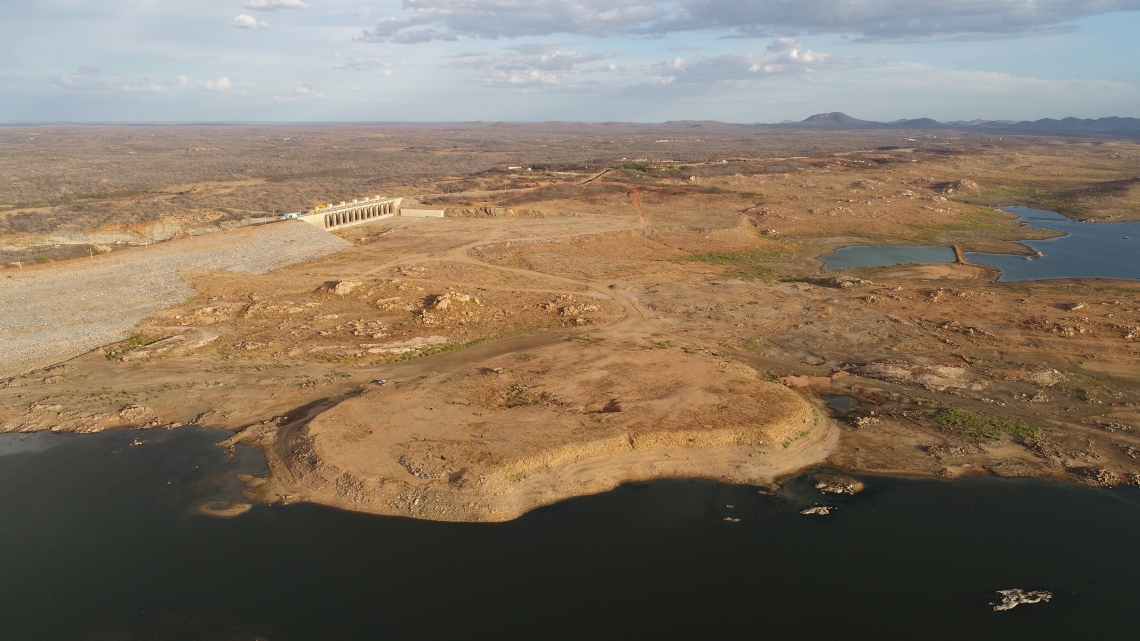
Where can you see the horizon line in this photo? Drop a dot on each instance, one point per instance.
(901, 121)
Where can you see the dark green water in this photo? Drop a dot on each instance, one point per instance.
(97, 545)
(841, 405)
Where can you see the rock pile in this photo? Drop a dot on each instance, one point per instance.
(932, 377)
(409, 345)
(1046, 377)
(841, 282)
(960, 187)
(346, 287)
(806, 382)
(1010, 599)
(837, 484)
(449, 307)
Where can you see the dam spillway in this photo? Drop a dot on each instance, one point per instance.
(346, 214)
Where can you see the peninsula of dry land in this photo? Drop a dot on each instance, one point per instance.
(630, 302)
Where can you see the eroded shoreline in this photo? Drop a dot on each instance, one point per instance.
(530, 360)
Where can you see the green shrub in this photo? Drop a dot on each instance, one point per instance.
(748, 265)
(984, 425)
(128, 345)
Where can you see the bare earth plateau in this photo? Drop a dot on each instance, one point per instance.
(631, 302)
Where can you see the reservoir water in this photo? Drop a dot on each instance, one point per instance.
(1088, 250)
(101, 539)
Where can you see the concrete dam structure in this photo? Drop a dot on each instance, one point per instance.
(329, 217)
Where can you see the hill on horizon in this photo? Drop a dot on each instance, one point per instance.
(839, 121)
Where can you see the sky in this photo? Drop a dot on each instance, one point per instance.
(571, 60)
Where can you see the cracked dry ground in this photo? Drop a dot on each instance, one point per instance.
(530, 360)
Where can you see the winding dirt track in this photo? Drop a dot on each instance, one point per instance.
(636, 321)
(337, 455)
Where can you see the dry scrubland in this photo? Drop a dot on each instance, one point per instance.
(565, 329)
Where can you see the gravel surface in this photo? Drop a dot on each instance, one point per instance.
(53, 313)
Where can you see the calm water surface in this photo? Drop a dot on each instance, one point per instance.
(100, 540)
(1088, 250)
(840, 404)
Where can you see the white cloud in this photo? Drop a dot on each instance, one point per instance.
(273, 5)
(783, 44)
(520, 78)
(886, 19)
(306, 92)
(91, 78)
(550, 65)
(183, 82)
(249, 22)
(426, 20)
(535, 64)
(452, 19)
(147, 87)
(221, 84)
(540, 56)
(784, 57)
(362, 64)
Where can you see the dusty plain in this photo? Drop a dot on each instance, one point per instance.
(636, 302)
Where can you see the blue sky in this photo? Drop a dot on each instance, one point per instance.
(580, 60)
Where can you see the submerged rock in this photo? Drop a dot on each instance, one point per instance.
(1010, 599)
(225, 510)
(837, 484)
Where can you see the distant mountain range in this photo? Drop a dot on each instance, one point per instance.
(842, 122)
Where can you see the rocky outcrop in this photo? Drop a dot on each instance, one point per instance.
(837, 484)
(171, 346)
(450, 308)
(932, 377)
(806, 382)
(409, 345)
(963, 187)
(1010, 599)
(346, 287)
